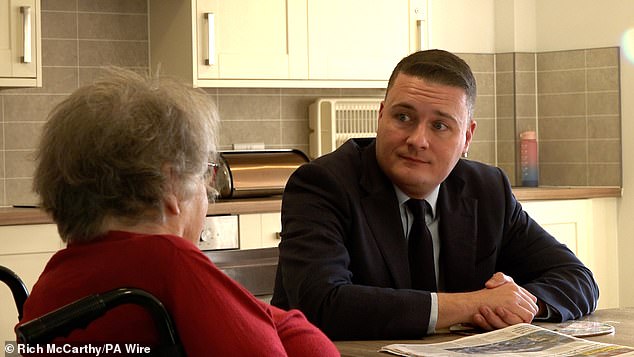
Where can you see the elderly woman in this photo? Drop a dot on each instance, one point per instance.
(122, 170)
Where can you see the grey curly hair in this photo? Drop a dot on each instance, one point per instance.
(104, 151)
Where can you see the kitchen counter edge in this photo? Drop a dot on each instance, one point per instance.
(27, 215)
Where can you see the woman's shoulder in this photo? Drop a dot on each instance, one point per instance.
(163, 252)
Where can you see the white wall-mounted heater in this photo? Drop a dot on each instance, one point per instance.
(333, 121)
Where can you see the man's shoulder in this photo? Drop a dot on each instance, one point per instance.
(343, 167)
(470, 167)
(477, 175)
(347, 154)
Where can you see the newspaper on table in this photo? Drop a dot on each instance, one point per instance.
(516, 340)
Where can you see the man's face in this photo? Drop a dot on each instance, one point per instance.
(423, 129)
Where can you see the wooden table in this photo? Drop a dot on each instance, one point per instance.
(622, 319)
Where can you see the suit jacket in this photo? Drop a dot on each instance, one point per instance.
(343, 255)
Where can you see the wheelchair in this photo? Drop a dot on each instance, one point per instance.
(80, 313)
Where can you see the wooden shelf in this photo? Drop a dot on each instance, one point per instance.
(565, 193)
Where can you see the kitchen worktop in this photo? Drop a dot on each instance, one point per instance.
(15, 216)
(32, 215)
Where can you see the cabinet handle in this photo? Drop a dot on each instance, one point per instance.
(211, 39)
(422, 33)
(421, 25)
(26, 33)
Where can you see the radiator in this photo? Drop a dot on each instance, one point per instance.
(332, 121)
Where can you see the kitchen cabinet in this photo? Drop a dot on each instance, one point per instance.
(20, 43)
(284, 43)
(588, 228)
(250, 39)
(356, 39)
(260, 230)
(25, 249)
(228, 41)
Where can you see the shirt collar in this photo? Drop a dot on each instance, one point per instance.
(432, 198)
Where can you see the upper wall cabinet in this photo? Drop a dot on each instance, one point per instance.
(356, 39)
(284, 43)
(250, 39)
(20, 45)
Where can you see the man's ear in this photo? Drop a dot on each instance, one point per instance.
(382, 105)
(471, 127)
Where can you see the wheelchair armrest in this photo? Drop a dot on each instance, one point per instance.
(82, 312)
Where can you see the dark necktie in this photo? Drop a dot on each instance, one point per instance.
(421, 251)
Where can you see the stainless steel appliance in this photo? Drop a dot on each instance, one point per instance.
(220, 232)
(252, 268)
(256, 172)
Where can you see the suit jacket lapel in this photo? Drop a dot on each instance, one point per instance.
(383, 216)
(457, 228)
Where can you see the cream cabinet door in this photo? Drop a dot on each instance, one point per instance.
(251, 39)
(260, 230)
(24, 249)
(284, 43)
(564, 220)
(588, 228)
(20, 43)
(357, 39)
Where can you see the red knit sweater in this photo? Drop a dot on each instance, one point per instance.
(214, 315)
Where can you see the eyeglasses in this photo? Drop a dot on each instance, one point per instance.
(210, 177)
(213, 165)
(212, 169)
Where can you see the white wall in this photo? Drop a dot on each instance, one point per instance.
(515, 26)
(575, 24)
(462, 25)
(482, 26)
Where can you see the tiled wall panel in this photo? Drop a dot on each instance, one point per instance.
(505, 92)
(579, 117)
(483, 147)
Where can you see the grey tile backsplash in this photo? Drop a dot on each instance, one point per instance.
(570, 97)
(579, 117)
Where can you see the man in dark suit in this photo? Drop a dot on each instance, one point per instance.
(347, 225)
